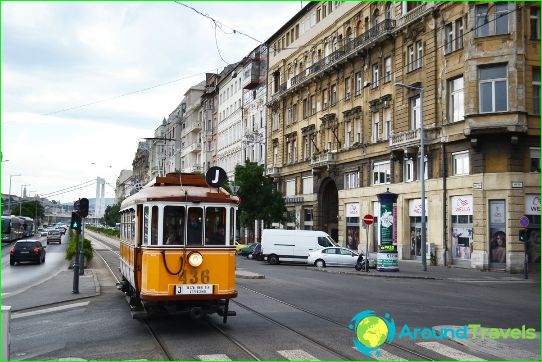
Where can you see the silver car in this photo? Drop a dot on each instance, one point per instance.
(333, 256)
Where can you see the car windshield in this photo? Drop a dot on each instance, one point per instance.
(53, 232)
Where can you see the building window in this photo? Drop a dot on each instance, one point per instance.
(275, 155)
(535, 159)
(347, 89)
(454, 36)
(374, 127)
(351, 180)
(460, 163)
(305, 108)
(415, 112)
(307, 185)
(333, 95)
(491, 20)
(290, 187)
(535, 23)
(294, 113)
(381, 173)
(375, 76)
(313, 105)
(536, 90)
(493, 89)
(425, 168)
(306, 148)
(289, 116)
(410, 65)
(456, 107)
(357, 86)
(387, 123)
(409, 171)
(387, 69)
(276, 121)
(419, 54)
(348, 135)
(325, 100)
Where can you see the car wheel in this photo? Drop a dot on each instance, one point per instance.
(250, 256)
(43, 260)
(273, 259)
(320, 263)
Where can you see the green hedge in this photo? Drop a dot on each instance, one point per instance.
(72, 246)
(108, 232)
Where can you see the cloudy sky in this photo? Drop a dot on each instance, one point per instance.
(67, 68)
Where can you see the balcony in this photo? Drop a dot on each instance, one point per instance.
(195, 168)
(195, 126)
(377, 33)
(194, 147)
(402, 140)
(495, 123)
(272, 171)
(251, 75)
(209, 89)
(323, 160)
(415, 14)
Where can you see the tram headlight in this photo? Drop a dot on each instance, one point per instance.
(195, 259)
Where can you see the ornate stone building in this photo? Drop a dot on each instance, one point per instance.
(351, 83)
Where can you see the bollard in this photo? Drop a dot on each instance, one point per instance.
(6, 334)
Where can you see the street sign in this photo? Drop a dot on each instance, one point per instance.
(524, 221)
(216, 176)
(368, 219)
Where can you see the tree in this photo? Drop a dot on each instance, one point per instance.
(32, 209)
(258, 200)
(112, 215)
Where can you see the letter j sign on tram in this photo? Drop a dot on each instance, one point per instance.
(368, 219)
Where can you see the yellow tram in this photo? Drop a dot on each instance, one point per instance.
(177, 250)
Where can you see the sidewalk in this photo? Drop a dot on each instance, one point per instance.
(413, 270)
(56, 289)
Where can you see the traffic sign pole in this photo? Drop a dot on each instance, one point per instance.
(367, 220)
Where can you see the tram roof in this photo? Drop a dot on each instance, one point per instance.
(180, 187)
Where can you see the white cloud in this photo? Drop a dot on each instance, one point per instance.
(60, 55)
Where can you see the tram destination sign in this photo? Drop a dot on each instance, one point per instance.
(216, 176)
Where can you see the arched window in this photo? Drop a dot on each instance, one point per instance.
(359, 29)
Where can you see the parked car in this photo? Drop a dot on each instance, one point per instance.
(44, 232)
(292, 245)
(335, 256)
(239, 246)
(27, 250)
(248, 250)
(256, 252)
(54, 236)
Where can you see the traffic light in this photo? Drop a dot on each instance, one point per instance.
(83, 207)
(75, 223)
(523, 235)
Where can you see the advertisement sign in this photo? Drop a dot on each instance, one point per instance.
(532, 204)
(496, 212)
(462, 205)
(415, 207)
(387, 251)
(352, 210)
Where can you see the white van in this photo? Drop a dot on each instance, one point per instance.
(292, 245)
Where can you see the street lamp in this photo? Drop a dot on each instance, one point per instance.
(9, 201)
(21, 202)
(422, 172)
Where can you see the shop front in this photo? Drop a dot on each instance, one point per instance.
(415, 222)
(461, 229)
(532, 211)
(497, 234)
(352, 225)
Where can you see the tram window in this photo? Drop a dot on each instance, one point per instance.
(193, 228)
(154, 225)
(173, 225)
(232, 225)
(215, 226)
(146, 225)
(132, 226)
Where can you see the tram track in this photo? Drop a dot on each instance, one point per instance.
(322, 317)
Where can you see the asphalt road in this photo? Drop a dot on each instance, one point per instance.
(295, 313)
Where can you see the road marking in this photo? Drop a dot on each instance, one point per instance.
(449, 352)
(297, 355)
(16, 315)
(385, 356)
(214, 357)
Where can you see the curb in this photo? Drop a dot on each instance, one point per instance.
(245, 276)
(374, 275)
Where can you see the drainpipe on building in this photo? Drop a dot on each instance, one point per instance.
(444, 209)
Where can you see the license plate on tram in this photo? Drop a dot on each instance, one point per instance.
(194, 289)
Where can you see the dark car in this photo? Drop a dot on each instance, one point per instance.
(256, 252)
(248, 250)
(27, 250)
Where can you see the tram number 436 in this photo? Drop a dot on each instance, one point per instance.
(194, 277)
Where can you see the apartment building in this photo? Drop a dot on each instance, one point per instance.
(229, 128)
(191, 130)
(349, 87)
(254, 84)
